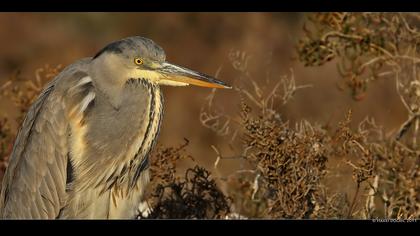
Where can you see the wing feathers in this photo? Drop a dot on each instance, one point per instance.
(34, 185)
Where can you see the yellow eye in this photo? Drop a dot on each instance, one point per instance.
(138, 61)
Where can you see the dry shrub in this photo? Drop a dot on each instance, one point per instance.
(195, 196)
(287, 164)
(290, 164)
(368, 46)
(287, 167)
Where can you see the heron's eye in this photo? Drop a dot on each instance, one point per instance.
(138, 61)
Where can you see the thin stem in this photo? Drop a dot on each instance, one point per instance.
(416, 129)
(353, 203)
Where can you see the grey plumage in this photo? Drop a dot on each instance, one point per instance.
(82, 150)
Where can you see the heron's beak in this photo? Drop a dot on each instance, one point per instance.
(186, 76)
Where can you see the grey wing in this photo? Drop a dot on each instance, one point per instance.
(34, 185)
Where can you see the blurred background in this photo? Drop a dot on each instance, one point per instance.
(200, 41)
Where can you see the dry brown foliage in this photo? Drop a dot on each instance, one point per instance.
(368, 46)
(193, 196)
(287, 164)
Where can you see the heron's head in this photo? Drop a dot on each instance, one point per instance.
(141, 58)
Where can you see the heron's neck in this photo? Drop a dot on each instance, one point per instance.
(108, 80)
(139, 163)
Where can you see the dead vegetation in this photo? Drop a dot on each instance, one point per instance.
(283, 166)
(192, 196)
(286, 163)
(367, 47)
